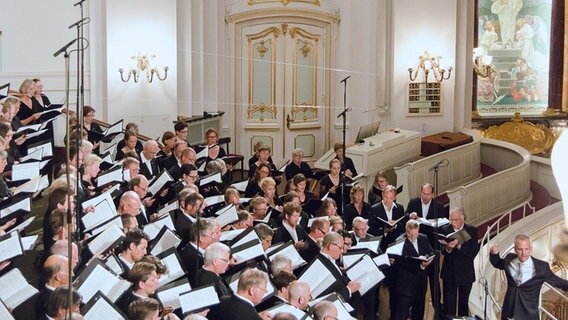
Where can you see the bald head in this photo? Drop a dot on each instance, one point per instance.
(299, 294)
(56, 271)
(130, 203)
(325, 310)
(150, 150)
(61, 248)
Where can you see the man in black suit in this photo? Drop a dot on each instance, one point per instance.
(251, 289)
(409, 288)
(145, 281)
(203, 233)
(55, 273)
(190, 205)
(281, 282)
(525, 276)
(290, 229)
(331, 251)
(174, 158)
(133, 248)
(387, 211)
(148, 162)
(428, 208)
(319, 228)
(187, 156)
(457, 270)
(215, 264)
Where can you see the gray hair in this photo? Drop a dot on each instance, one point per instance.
(216, 250)
(279, 263)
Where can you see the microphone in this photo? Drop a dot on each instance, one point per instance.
(64, 48)
(343, 112)
(440, 164)
(78, 3)
(80, 22)
(345, 80)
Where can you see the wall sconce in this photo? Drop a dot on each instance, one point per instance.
(143, 64)
(427, 63)
(482, 63)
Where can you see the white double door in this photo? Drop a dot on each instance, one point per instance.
(282, 88)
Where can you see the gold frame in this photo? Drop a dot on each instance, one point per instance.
(262, 107)
(297, 107)
(284, 2)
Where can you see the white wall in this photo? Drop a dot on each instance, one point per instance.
(146, 27)
(32, 31)
(419, 26)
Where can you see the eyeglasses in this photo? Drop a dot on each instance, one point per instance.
(225, 260)
(265, 289)
(322, 231)
(340, 247)
(183, 131)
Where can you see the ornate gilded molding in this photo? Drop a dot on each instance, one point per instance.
(263, 33)
(262, 108)
(535, 138)
(303, 33)
(284, 2)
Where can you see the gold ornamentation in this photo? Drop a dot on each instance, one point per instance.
(535, 138)
(306, 48)
(261, 108)
(262, 49)
(283, 2)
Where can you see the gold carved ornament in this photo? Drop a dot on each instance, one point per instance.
(284, 2)
(261, 108)
(535, 138)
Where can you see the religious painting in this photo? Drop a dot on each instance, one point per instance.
(516, 35)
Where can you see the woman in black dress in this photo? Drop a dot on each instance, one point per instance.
(300, 183)
(357, 207)
(27, 114)
(253, 186)
(39, 98)
(347, 164)
(331, 182)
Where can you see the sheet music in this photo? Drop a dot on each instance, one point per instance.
(283, 167)
(36, 155)
(100, 279)
(325, 197)
(168, 240)
(115, 128)
(318, 277)
(104, 210)
(101, 309)
(29, 242)
(432, 222)
(23, 225)
(118, 289)
(228, 216)
(366, 273)
(203, 153)
(164, 178)
(202, 167)
(112, 262)
(291, 253)
(175, 269)
(240, 186)
(369, 245)
(104, 240)
(211, 178)
(198, 299)
(229, 235)
(169, 207)
(25, 171)
(274, 247)
(350, 259)
(58, 110)
(152, 229)
(47, 150)
(170, 297)
(249, 253)
(250, 236)
(35, 134)
(10, 246)
(382, 259)
(24, 204)
(15, 288)
(213, 200)
(110, 176)
(31, 127)
(43, 183)
(31, 186)
(5, 313)
(396, 249)
(105, 224)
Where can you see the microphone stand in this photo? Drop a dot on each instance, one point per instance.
(342, 174)
(437, 251)
(69, 215)
(483, 281)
